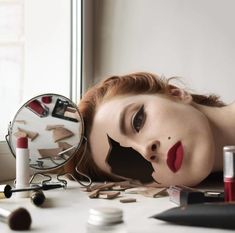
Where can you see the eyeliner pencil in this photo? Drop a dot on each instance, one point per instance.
(214, 215)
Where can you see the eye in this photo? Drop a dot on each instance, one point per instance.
(138, 119)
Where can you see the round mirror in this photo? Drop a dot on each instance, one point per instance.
(54, 128)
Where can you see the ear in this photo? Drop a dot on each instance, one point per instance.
(181, 94)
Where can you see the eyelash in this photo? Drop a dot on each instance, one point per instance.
(138, 120)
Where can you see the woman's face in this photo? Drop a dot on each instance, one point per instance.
(169, 132)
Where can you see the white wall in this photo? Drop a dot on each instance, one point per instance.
(87, 44)
(47, 47)
(189, 38)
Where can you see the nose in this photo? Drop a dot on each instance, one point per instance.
(150, 151)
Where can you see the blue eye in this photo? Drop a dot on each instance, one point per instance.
(138, 119)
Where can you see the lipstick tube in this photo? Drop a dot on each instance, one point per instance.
(22, 166)
(229, 173)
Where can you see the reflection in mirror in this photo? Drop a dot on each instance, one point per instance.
(54, 128)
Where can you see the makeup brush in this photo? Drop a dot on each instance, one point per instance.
(18, 219)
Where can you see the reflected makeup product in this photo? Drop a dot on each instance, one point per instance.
(64, 110)
(229, 173)
(38, 108)
(22, 165)
(47, 99)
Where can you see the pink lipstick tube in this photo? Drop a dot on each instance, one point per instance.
(229, 173)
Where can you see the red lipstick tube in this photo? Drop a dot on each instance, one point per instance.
(229, 173)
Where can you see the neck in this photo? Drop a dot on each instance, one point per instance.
(222, 121)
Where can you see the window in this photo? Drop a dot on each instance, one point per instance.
(40, 47)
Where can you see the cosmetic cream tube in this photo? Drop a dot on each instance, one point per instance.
(229, 173)
(22, 166)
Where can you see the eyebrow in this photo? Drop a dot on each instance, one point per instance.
(122, 118)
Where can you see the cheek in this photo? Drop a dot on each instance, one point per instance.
(167, 178)
(166, 116)
(189, 125)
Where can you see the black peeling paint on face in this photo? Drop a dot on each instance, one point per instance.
(127, 162)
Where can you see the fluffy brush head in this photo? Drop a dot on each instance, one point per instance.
(19, 219)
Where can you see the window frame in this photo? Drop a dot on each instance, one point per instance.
(76, 39)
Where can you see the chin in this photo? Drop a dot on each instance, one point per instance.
(156, 185)
(187, 176)
(197, 171)
(192, 183)
(200, 174)
(183, 180)
(195, 179)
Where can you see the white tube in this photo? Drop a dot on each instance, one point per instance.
(22, 166)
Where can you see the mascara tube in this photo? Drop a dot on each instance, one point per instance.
(37, 197)
(5, 191)
(229, 173)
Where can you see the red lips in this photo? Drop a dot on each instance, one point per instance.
(175, 156)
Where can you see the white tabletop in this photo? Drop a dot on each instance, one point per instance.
(66, 210)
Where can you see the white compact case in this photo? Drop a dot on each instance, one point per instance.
(106, 219)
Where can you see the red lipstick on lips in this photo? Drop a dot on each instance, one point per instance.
(175, 156)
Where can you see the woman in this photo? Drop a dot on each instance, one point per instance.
(141, 127)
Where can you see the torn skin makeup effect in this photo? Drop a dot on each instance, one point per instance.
(120, 159)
